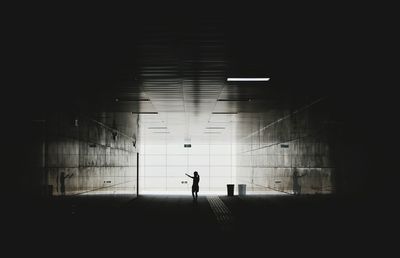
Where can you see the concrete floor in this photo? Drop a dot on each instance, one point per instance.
(214, 224)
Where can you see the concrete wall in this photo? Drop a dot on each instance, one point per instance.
(287, 140)
(83, 146)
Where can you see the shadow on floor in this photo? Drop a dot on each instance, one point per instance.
(177, 224)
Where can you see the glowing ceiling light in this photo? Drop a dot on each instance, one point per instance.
(247, 79)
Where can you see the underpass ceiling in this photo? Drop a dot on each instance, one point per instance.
(172, 70)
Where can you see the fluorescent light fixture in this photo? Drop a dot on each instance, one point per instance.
(224, 113)
(130, 100)
(212, 132)
(245, 99)
(247, 79)
(145, 113)
(215, 127)
(157, 127)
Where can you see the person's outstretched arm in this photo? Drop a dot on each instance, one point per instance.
(189, 175)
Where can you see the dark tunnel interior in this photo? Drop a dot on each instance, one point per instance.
(103, 108)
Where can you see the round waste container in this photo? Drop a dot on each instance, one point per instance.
(242, 189)
(230, 188)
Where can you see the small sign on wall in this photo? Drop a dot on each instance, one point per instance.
(284, 145)
(187, 145)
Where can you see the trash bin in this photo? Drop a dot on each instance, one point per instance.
(230, 188)
(242, 189)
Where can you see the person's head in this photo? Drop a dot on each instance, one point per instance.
(195, 173)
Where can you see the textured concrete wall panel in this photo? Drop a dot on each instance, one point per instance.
(89, 153)
(295, 142)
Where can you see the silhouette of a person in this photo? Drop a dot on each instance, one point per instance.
(62, 181)
(296, 183)
(195, 185)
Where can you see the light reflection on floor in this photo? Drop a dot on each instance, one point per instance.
(206, 193)
(110, 192)
(182, 193)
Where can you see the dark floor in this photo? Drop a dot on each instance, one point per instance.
(179, 226)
